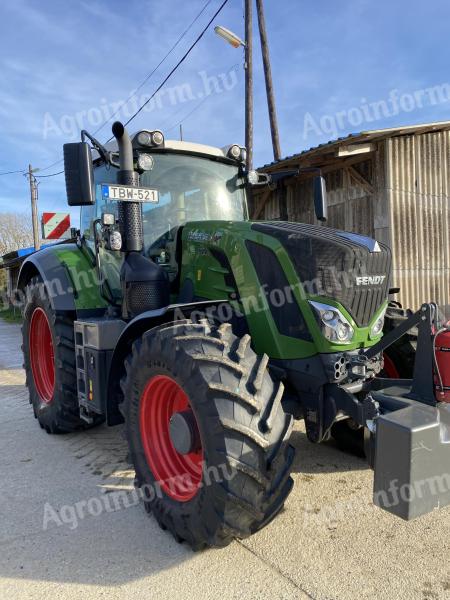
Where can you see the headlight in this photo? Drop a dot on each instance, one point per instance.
(235, 152)
(115, 240)
(144, 138)
(157, 138)
(377, 327)
(333, 325)
(252, 177)
(150, 138)
(145, 162)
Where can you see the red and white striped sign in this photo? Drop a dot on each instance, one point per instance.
(55, 226)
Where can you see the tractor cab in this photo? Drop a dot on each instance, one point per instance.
(188, 182)
(192, 182)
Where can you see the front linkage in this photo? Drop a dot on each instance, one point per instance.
(403, 424)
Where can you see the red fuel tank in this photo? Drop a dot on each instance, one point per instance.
(442, 346)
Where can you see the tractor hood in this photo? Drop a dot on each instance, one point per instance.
(352, 269)
(271, 272)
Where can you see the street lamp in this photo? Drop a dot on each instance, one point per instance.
(229, 36)
(236, 42)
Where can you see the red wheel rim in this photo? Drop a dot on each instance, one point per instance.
(389, 368)
(42, 356)
(179, 475)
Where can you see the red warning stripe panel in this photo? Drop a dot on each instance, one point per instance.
(60, 229)
(47, 216)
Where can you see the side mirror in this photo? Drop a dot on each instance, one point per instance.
(320, 198)
(79, 172)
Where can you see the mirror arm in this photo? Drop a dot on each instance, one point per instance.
(105, 155)
(281, 175)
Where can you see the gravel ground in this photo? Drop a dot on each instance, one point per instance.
(330, 542)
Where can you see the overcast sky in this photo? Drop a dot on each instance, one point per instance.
(339, 67)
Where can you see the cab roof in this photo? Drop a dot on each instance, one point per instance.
(177, 145)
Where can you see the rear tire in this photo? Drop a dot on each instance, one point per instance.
(51, 381)
(243, 431)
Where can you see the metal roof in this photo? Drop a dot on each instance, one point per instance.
(363, 137)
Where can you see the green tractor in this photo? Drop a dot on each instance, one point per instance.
(206, 334)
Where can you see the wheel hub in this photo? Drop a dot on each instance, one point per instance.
(184, 432)
(170, 438)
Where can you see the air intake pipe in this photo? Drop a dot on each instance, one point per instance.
(145, 284)
(130, 213)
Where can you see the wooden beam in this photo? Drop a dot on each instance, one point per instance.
(362, 181)
(269, 82)
(353, 149)
(327, 163)
(262, 204)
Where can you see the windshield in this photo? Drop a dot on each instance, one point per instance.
(190, 189)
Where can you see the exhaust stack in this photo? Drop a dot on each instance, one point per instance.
(130, 213)
(145, 284)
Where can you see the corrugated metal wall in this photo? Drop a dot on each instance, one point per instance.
(418, 186)
(399, 194)
(350, 205)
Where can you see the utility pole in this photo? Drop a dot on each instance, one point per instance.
(249, 82)
(268, 78)
(34, 209)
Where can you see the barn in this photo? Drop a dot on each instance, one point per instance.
(390, 184)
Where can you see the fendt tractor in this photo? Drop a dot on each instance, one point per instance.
(207, 334)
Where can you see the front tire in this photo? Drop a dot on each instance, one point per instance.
(237, 477)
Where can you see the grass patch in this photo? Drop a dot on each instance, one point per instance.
(11, 315)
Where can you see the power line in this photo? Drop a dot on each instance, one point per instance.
(188, 114)
(12, 172)
(26, 174)
(182, 59)
(144, 81)
(51, 174)
(166, 79)
(165, 126)
(57, 162)
(157, 66)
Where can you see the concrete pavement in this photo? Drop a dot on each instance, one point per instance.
(330, 542)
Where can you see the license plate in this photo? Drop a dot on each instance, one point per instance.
(128, 193)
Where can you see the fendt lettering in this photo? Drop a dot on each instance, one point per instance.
(370, 280)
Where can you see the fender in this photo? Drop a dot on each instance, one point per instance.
(139, 325)
(70, 279)
(53, 273)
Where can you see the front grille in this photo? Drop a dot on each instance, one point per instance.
(328, 264)
(274, 285)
